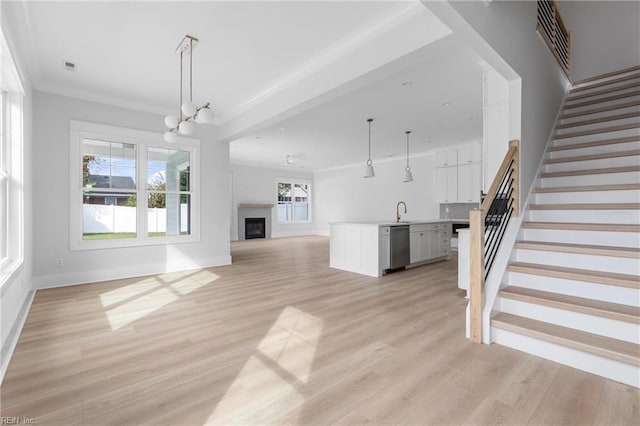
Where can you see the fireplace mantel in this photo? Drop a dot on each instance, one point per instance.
(255, 206)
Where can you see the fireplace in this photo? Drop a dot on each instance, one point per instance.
(254, 227)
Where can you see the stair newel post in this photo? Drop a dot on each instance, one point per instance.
(516, 177)
(476, 231)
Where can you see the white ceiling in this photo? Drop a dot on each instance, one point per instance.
(315, 69)
(336, 133)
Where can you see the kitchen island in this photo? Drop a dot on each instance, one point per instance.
(376, 247)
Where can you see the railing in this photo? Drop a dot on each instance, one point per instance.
(552, 29)
(487, 228)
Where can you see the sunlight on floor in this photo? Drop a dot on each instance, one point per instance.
(139, 299)
(268, 384)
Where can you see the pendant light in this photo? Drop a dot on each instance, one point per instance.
(189, 112)
(368, 170)
(408, 176)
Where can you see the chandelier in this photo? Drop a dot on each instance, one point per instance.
(189, 112)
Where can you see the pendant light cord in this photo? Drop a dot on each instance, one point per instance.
(369, 120)
(180, 103)
(190, 70)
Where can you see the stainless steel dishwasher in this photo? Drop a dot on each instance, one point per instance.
(399, 246)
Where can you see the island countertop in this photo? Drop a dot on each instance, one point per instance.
(391, 223)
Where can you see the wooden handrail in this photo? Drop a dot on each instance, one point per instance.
(549, 22)
(507, 176)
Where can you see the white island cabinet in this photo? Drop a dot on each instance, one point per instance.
(365, 247)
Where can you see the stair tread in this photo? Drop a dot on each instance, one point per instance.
(587, 275)
(612, 154)
(596, 131)
(599, 120)
(580, 172)
(586, 206)
(601, 109)
(575, 226)
(580, 248)
(602, 100)
(619, 350)
(584, 81)
(584, 188)
(602, 142)
(625, 313)
(605, 83)
(604, 91)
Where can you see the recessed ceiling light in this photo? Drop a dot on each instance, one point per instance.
(405, 83)
(390, 155)
(257, 137)
(473, 118)
(68, 65)
(446, 104)
(281, 128)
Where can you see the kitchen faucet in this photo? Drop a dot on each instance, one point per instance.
(398, 210)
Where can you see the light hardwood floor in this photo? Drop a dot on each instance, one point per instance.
(280, 338)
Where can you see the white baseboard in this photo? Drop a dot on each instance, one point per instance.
(12, 339)
(84, 277)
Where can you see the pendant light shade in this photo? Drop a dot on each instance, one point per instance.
(408, 176)
(368, 170)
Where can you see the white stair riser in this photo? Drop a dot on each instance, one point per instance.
(619, 239)
(620, 330)
(614, 370)
(606, 293)
(635, 132)
(577, 97)
(607, 79)
(600, 163)
(598, 104)
(606, 87)
(594, 126)
(628, 196)
(601, 114)
(585, 216)
(594, 179)
(591, 150)
(620, 265)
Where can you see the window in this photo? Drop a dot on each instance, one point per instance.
(135, 188)
(11, 145)
(293, 201)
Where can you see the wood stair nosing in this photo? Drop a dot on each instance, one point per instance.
(584, 275)
(615, 349)
(576, 226)
(587, 249)
(586, 206)
(606, 83)
(601, 100)
(604, 91)
(597, 131)
(598, 110)
(614, 311)
(588, 188)
(582, 172)
(607, 75)
(612, 154)
(603, 142)
(599, 120)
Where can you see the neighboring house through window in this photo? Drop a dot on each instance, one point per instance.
(135, 188)
(294, 201)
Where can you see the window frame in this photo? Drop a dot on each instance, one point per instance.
(292, 182)
(79, 130)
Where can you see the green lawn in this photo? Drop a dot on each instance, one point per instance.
(115, 235)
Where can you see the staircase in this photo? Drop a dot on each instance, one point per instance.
(571, 292)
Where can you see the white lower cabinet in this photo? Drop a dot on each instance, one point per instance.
(429, 241)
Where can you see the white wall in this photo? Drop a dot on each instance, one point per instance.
(258, 185)
(16, 293)
(503, 33)
(51, 224)
(344, 195)
(605, 35)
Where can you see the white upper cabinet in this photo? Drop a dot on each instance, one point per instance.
(469, 154)
(469, 183)
(447, 158)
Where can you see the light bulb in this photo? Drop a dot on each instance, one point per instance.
(205, 115)
(169, 137)
(171, 121)
(188, 108)
(185, 128)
